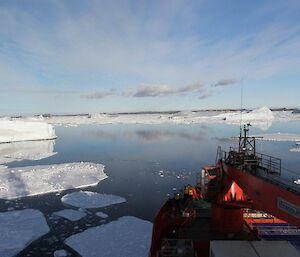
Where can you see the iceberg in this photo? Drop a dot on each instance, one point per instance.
(24, 130)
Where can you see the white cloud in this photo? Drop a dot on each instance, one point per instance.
(225, 82)
(166, 90)
(108, 38)
(99, 94)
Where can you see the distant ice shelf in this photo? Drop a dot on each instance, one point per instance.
(25, 130)
(261, 118)
(19, 229)
(279, 137)
(126, 237)
(89, 200)
(27, 181)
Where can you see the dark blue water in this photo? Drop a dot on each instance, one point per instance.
(146, 164)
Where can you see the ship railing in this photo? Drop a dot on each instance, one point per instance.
(262, 165)
(278, 180)
(269, 163)
(177, 248)
(264, 162)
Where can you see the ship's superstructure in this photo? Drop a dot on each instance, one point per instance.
(243, 197)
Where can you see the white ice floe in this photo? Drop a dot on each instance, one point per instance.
(101, 214)
(279, 137)
(29, 150)
(19, 229)
(26, 181)
(89, 200)
(70, 214)
(24, 130)
(126, 237)
(60, 253)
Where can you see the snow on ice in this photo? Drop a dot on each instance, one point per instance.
(126, 237)
(89, 200)
(29, 150)
(24, 130)
(70, 214)
(26, 181)
(19, 229)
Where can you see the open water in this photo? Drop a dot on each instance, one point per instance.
(145, 164)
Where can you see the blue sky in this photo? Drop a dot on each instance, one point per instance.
(111, 56)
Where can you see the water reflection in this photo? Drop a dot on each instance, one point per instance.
(27, 150)
(150, 135)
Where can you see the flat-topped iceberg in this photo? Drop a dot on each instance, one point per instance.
(27, 181)
(261, 117)
(19, 229)
(24, 130)
(126, 237)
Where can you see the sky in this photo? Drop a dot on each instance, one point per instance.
(75, 56)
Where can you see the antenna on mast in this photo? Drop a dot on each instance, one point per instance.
(241, 110)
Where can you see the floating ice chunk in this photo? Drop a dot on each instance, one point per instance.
(295, 149)
(70, 214)
(24, 130)
(126, 237)
(101, 214)
(87, 199)
(19, 228)
(60, 253)
(48, 178)
(29, 150)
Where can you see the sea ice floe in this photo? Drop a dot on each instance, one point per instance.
(101, 214)
(70, 214)
(60, 253)
(89, 200)
(24, 130)
(19, 228)
(126, 237)
(27, 181)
